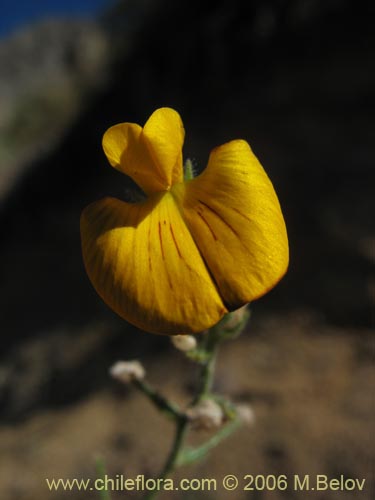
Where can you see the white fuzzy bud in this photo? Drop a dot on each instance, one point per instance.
(206, 415)
(246, 414)
(126, 371)
(184, 342)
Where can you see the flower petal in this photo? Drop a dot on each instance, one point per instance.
(164, 135)
(235, 219)
(126, 151)
(145, 265)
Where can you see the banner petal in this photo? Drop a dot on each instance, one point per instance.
(164, 136)
(126, 151)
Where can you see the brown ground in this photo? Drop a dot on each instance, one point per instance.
(310, 386)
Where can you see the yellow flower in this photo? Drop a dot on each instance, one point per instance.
(193, 250)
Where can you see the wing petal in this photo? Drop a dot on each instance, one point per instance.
(145, 265)
(235, 219)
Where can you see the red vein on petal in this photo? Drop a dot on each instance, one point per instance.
(161, 242)
(219, 217)
(243, 215)
(174, 240)
(208, 225)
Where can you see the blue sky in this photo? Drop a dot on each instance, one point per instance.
(18, 13)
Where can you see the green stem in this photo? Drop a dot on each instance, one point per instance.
(178, 455)
(206, 379)
(173, 457)
(101, 472)
(159, 401)
(211, 343)
(191, 455)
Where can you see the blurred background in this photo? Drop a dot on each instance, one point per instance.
(295, 78)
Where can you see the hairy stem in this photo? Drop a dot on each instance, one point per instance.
(159, 401)
(211, 342)
(179, 455)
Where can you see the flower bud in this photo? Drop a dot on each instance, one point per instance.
(184, 342)
(127, 371)
(246, 414)
(206, 415)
